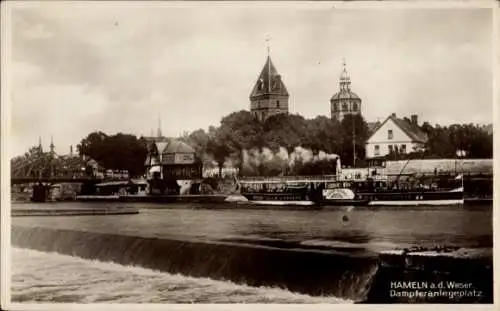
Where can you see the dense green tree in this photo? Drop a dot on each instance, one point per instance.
(446, 141)
(241, 130)
(324, 134)
(353, 129)
(116, 152)
(199, 141)
(218, 148)
(287, 131)
(93, 145)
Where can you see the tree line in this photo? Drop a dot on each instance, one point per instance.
(282, 133)
(116, 152)
(241, 132)
(469, 141)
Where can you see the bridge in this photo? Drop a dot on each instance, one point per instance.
(39, 169)
(36, 165)
(55, 180)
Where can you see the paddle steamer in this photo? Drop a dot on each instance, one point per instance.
(331, 190)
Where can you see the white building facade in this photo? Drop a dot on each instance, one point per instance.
(395, 135)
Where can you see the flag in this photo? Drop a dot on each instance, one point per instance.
(459, 177)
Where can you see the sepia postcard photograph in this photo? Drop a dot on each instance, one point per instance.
(240, 153)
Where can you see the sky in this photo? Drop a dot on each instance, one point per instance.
(118, 67)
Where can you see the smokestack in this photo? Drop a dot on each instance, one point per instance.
(414, 119)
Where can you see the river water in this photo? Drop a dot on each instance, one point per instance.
(51, 277)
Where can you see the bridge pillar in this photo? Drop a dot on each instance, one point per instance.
(40, 193)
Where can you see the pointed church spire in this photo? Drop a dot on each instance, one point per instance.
(269, 60)
(40, 148)
(269, 81)
(268, 39)
(269, 95)
(158, 131)
(52, 144)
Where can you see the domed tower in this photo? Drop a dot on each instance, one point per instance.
(269, 95)
(345, 102)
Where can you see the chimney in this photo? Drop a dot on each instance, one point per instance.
(414, 119)
(71, 150)
(393, 115)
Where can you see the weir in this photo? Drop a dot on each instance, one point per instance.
(357, 276)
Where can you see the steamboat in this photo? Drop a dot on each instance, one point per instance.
(331, 190)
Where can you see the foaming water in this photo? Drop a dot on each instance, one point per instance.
(52, 277)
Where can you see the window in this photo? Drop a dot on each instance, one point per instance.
(377, 150)
(390, 135)
(336, 107)
(403, 148)
(277, 104)
(344, 106)
(391, 149)
(354, 107)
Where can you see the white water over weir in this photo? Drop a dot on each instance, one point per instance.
(68, 279)
(250, 256)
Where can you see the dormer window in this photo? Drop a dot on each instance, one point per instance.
(390, 135)
(261, 84)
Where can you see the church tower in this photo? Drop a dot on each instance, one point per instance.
(269, 95)
(345, 102)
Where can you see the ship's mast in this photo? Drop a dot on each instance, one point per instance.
(353, 141)
(345, 81)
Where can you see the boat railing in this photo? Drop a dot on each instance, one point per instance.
(312, 178)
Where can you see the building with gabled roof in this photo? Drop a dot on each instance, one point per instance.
(171, 159)
(269, 95)
(395, 135)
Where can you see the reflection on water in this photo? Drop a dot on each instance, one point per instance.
(53, 278)
(380, 229)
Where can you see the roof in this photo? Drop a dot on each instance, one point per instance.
(344, 94)
(412, 130)
(177, 146)
(160, 146)
(372, 126)
(269, 81)
(174, 146)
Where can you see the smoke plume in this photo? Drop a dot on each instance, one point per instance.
(267, 162)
